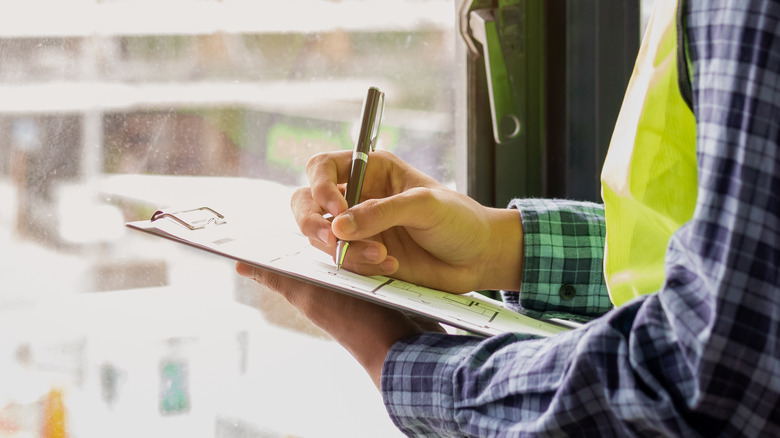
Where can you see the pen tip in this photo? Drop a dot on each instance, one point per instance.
(341, 252)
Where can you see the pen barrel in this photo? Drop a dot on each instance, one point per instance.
(355, 184)
(373, 107)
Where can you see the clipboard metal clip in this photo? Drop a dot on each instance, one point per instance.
(194, 219)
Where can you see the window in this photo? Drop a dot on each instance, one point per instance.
(130, 105)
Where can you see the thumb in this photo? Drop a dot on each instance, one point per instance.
(414, 208)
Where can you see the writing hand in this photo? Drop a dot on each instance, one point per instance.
(410, 226)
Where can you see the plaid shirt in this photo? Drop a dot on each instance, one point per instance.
(699, 358)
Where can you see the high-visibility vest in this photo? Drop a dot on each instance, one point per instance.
(649, 178)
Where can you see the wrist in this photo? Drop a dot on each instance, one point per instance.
(504, 267)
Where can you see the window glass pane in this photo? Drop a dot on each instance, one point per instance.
(127, 106)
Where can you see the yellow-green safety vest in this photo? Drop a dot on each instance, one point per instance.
(649, 178)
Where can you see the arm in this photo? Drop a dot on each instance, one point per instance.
(434, 384)
(453, 232)
(700, 358)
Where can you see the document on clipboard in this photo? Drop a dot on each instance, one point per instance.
(289, 253)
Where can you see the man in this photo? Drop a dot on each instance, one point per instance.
(698, 357)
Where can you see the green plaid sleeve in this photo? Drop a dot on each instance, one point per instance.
(563, 272)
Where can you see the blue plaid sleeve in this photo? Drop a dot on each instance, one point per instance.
(701, 357)
(563, 274)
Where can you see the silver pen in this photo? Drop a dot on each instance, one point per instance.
(373, 107)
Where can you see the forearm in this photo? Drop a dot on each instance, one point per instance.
(588, 382)
(436, 385)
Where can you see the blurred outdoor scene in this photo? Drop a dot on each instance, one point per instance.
(111, 109)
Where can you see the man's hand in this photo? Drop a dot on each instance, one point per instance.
(365, 329)
(410, 226)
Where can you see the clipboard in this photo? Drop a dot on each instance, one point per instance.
(289, 253)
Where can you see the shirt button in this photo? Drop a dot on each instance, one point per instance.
(567, 292)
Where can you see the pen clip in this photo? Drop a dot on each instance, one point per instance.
(380, 107)
(194, 219)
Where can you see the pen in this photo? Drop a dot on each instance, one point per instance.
(373, 107)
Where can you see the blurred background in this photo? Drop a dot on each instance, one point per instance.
(111, 109)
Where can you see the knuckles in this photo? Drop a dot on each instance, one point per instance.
(299, 194)
(321, 159)
(316, 160)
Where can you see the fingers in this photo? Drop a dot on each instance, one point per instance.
(245, 270)
(309, 217)
(325, 171)
(365, 257)
(426, 324)
(316, 303)
(368, 258)
(302, 295)
(394, 194)
(416, 208)
(273, 281)
(365, 329)
(385, 175)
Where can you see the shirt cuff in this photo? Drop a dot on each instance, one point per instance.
(563, 274)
